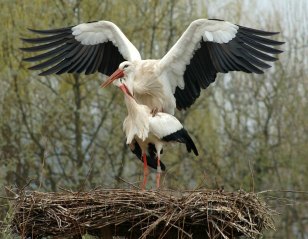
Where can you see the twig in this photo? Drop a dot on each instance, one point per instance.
(218, 213)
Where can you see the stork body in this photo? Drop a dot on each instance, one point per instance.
(159, 129)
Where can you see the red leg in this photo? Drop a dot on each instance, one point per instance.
(158, 173)
(145, 171)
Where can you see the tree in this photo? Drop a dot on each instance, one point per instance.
(250, 130)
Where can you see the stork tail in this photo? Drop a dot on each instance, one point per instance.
(182, 136)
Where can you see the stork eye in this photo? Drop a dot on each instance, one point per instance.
(125, 66)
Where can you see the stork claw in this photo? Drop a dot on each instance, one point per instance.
(154, 111)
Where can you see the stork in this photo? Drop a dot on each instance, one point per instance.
(206, 48)
(148, 128)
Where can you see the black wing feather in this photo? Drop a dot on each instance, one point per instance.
(246, 52)
(49, 54)
(51, 31)
(92, 59)
(257, 32)
(63, 53)
(45, 46)
(47, 39)
(182, 136)
(83, 64)
(151, 155)
(49, 62)
(261, 40)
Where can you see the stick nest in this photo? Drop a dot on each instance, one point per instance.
(141, 214)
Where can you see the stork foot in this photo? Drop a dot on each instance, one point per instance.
(154, 111)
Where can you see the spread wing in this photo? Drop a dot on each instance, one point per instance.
(88, 47)
(211, 46)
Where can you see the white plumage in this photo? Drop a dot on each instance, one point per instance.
(164, 124)
(206, 48)
(148, 128)
(100, 32)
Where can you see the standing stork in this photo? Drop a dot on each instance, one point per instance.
(148, 128)
(207, 47)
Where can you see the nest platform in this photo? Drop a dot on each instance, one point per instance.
(131, 213)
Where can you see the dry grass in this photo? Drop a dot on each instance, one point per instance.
(141, 214)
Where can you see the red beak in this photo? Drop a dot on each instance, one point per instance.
(125, 90)
(116, 75)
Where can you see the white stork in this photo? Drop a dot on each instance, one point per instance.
(147, 128)
(206, 48)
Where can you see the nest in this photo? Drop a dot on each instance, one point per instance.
(141, 214)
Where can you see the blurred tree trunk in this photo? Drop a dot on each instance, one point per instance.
(78, 121)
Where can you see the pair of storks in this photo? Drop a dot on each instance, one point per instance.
(154, 88)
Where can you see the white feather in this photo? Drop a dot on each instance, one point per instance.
(173, 64)
(133, 128)
(164, 124)
(103, 31)
(208, 36)
(141, 125)
(136, 124)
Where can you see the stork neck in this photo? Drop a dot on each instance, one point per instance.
(134, 109)
(131, 104)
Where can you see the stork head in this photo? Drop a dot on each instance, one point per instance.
(125, 70)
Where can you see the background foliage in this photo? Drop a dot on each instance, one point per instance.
(251, 130)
